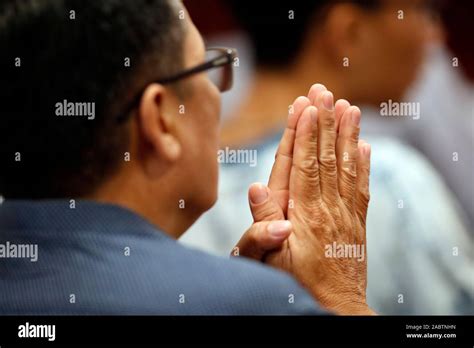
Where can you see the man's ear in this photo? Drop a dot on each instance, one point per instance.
(157, 123)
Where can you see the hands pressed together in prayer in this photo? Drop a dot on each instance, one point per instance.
(316, 202)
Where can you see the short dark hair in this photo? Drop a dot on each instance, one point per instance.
(456, 17)
(76, 51)
(276, 39)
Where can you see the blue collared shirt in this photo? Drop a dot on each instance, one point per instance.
(94, 258)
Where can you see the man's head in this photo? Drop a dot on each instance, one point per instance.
(374, 47)
(62, 60)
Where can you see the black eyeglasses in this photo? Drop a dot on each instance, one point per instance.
(219, 65)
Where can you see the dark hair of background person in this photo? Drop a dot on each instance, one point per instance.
(457, 18)
(276, 38)
(78, 60)
(211, 17)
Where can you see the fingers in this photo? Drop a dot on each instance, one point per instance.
(262, 204)
(304, 178)
(362, 183)
(340, 107)
(270, 229)
(280, 174)
(347, 153)
(315, 91)
(326, 146)
(261, 238)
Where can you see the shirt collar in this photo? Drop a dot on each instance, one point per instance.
(51, 216)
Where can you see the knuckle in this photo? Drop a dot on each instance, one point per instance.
(281, 155)
(349, 172)
(328, 161)
(354, 136)
(308, 166)
(329, 122)
(253, 235)
(266, 212)
(349, 146)
(367, 197)
(365, 169)
(363, 198)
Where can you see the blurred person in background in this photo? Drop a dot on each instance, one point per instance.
(444, 91)
(446, 94)
(369, 51)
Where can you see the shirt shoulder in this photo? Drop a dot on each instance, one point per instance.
(235, 286)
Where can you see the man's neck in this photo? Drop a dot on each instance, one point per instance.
(131, 193)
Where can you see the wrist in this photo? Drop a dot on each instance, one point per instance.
(352, 308)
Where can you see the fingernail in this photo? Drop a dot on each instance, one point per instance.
(328, 101)
(258, 194)
(279, 229)
(367, 149)
(355, 114)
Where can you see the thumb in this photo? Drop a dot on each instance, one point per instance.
(262, 205)
(261, 238)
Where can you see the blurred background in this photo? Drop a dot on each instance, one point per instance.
(409, 65)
